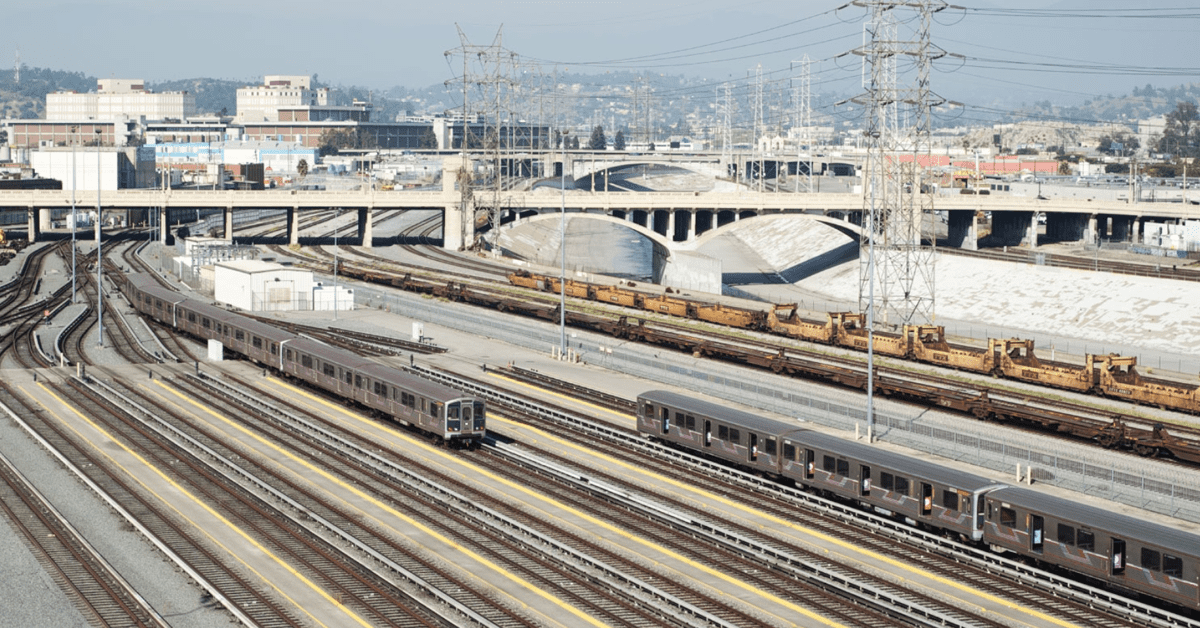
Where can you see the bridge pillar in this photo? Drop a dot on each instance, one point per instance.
(690, 217)
(33, 214)
(364, 225)
(1031, 232)
(1092, 234)
(162, 226)
(1135, 233)
(670, 225)
(228, 223)
(963, 229)
(293, 225)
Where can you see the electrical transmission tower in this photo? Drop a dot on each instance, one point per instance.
(896, 273)
(487, 90)
(759, 127)
(727, 127)
(802, 97)
(17, 69)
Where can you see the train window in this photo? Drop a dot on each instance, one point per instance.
(1085, 540)
(306, 361)
(358, 381)
(735, 437)
(1172, 565)
(901, 485)
(205, 324)
(287, 355)
(329, 370)
(828, 464)
(274, 349)
(191, 317)
(689, 422)
(408, 400)
(1008, 517)
(1037, 532)
(435, 407)
(885, 480)
(452, 411)
(843, 467)
(1151, 559)
(479, 420)
(1066, 535)
(950, 500)
(769, 446)
(256, 342)
(789, 451)
(722, 432)
(239, 335)
(348, 377)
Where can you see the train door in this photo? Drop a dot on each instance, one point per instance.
(1037, 533)
(864, 480)
(664, 415)
(753, 451)
(926, 498)
(810, 464)
(707, 433)
(1118, 557)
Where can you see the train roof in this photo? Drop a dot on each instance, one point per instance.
(689, 403)
(376, 371)
(1119, 525)
(914, 468)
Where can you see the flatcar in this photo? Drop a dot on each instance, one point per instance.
(448, 415)
(1112, 376)
(1110, 548)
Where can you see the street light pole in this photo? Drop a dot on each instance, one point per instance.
(99, 253)
(335, 264)
(74, 220)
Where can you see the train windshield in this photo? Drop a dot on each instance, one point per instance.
(453, 423)
(479, 424)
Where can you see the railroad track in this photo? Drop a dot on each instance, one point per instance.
(173, 443)
(223, 584)
(1063, 597)
(95, 588)
(1104, 427)
(633, 582)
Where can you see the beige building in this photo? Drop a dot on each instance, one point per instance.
(116, 99)
(262, 103)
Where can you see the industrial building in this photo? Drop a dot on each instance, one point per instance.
(257, 286)
(119, 99)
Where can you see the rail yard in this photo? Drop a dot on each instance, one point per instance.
(338, 473)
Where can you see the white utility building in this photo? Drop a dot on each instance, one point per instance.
(258, 286)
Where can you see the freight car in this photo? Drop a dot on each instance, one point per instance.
(449, 416)
(1125, 553)
(1113, 375)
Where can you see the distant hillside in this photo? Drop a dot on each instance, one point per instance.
(212, 95)
(28, 99)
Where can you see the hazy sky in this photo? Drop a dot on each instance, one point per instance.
(382, 43)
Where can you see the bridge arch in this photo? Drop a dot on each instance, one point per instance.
(851, 230)
(662, 247)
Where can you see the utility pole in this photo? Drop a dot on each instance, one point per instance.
(99, 253)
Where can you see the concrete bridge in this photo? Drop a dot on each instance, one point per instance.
(679, 217)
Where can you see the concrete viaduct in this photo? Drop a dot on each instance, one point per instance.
(678, 217)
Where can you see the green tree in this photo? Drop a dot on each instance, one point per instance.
(619, 141)
(574, 143)
(428, 139)
(598, 141)
(302, 168)
(333, 140)
(1179, 135)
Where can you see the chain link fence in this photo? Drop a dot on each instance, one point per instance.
(1119, 477)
